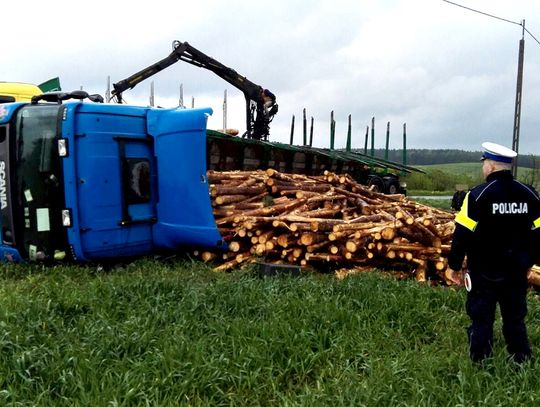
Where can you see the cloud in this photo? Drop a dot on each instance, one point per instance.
(447, 72)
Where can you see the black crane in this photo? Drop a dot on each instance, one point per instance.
(261, 104)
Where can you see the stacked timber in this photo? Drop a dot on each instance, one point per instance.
(328, 221)
(534, 276)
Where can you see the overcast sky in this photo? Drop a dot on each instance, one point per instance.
(447, 72)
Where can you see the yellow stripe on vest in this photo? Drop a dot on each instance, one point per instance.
(463, 217)
(536, 224)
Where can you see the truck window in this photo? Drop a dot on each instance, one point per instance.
(137, 180)
(38, 196)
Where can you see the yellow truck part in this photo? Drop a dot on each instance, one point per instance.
(17, 92)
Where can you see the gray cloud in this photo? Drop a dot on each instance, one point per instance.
(448, 73)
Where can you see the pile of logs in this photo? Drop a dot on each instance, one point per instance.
(328, 221)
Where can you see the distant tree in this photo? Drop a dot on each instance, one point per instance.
(532, 177)
(443, 156)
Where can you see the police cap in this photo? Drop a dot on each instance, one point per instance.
(496, 152)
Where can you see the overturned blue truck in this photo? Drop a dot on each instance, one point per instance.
(84, 180)
(88, 181)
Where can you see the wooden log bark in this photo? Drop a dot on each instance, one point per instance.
(219, 190)
(307, 219)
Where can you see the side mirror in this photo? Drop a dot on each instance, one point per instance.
(96, 98)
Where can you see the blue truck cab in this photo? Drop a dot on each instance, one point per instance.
(90, 181)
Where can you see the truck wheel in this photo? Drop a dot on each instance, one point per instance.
(376, 184)
(392, 188)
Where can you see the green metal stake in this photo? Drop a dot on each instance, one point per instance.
(404, 143)
(311, 133)
(387, 141)
(366, 140)
(332, 130)
(292, 131)
(304, 123)
(348, 148)
(373, 136)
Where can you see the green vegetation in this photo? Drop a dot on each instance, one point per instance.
(441, 203)
(443, 178)
(155, 333)
(424, 156)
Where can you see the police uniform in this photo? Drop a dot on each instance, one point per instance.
(498, 230)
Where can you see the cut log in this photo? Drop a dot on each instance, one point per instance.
(227, 199)
(235, 246)
(310, 238)
(317, 246)
(219, 190)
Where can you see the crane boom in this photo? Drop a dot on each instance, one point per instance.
(260, 103)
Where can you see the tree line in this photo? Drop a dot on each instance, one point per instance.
(445, 156)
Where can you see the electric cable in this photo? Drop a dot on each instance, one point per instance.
(521, 24)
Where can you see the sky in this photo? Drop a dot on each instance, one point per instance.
(447, 72)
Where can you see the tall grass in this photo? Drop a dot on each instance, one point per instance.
(153, 333)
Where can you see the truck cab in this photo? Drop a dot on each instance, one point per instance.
(89, 181)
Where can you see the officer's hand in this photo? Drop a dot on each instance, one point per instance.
(455, 277)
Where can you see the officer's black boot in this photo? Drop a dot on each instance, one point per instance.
(517, 342)
(480, 342)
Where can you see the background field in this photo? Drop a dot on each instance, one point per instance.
(443, 178)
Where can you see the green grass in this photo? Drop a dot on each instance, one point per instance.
(445, 204)
(443, 178)
(154, 333)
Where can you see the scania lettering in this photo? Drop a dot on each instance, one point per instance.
(90, 181)
(3, 197)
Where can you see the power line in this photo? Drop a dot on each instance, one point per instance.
(521, 24)
(481, 12)
(534, 38)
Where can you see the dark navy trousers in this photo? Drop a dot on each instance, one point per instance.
(511, 295)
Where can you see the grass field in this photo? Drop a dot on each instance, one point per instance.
(165, 334)
(443, 178)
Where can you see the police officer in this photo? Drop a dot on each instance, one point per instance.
(497, 229)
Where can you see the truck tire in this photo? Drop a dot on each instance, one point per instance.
(391, 184)
(393, 188)
(376, 184)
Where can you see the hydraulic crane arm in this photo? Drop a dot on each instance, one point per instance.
(260, 103)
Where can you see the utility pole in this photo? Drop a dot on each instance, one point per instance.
(517, 111)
